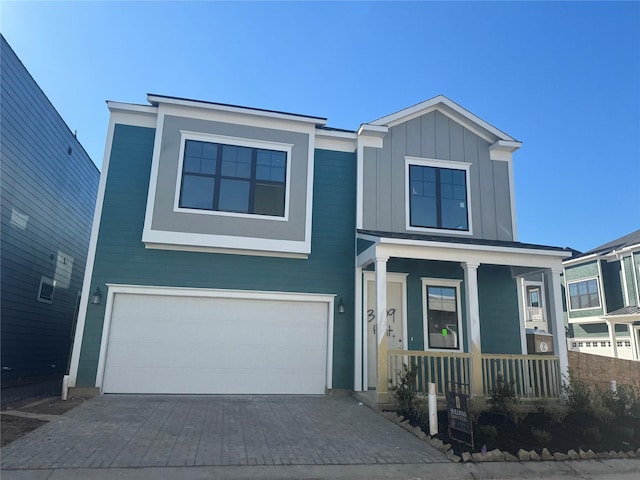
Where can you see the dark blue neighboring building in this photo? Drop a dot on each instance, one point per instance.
(48, 194)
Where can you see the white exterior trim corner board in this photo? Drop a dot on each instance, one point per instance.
(74, 361)
(432, 162)
(114, 290)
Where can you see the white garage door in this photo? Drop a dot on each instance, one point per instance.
(196, 345)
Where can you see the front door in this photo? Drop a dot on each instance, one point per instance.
(396, 329)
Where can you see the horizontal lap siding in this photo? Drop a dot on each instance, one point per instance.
(122, 258)
(56, 191)
(499, 314)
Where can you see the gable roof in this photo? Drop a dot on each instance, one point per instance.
(451, 110)
(627, 241)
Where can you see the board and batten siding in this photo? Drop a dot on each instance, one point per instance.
(435, 136)
(122, 258)
(48, 193)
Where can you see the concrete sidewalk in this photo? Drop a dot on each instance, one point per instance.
(614, 469)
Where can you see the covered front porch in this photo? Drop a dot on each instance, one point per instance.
(457, 309)
(629, 316)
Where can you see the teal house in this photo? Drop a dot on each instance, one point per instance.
(237, 250)
(602, 288)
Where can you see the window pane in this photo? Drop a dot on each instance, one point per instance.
(192, 164)
(269, 200)
(454, 214)
(236, 161)
(210, 151)
(442, 317)
(197, 192)
(234, 195)
(193, 148)
(423, 212)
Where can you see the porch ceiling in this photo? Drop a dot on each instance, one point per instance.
(461, 250)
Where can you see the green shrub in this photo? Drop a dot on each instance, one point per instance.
(552, 409)
(486, 434)
(477, 405)
(541, 436)
(405, 391)
(577, 394)
(591, 435)
(503, 397)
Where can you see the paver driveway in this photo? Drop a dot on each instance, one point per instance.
(137, 431)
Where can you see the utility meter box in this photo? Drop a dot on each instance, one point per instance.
(539, 343)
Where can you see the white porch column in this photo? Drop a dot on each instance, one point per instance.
(557, 319)
(360, 328)
(632, 337)
(382, 389)
(473, 325)
(612, 337)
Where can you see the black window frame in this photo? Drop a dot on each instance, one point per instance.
(218, 177)
(438, 197)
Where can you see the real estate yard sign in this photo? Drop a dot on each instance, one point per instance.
(460, 424)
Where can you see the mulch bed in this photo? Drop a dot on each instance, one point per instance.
(576, 431)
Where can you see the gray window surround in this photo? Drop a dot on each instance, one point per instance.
(165, 218)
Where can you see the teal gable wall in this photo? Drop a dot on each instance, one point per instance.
(121, 257)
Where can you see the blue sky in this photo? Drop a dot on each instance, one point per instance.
(564, 78)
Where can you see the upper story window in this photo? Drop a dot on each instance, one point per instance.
(241, 179)
(438, 195)
(584, 294)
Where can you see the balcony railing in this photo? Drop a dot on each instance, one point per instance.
(535, 314)
(532, 376)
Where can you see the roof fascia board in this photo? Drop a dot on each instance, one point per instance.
(477, 248)
(502, 150)
(234, 109)
(575, 261)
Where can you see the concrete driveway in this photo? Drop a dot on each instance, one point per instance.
(112, 431)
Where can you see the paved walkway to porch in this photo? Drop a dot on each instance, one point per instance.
(168, 431)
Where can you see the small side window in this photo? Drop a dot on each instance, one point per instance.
(46, 290)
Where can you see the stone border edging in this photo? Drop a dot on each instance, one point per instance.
(498, 456)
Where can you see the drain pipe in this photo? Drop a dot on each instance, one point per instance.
(65, 387)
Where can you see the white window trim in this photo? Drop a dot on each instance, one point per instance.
(237, 142)
(441, 282)
(432, 162)
(571, 309)
(46, 281)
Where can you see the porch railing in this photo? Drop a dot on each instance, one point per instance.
(441, 368)
(532, 376)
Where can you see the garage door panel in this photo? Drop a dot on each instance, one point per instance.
(179, 344)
